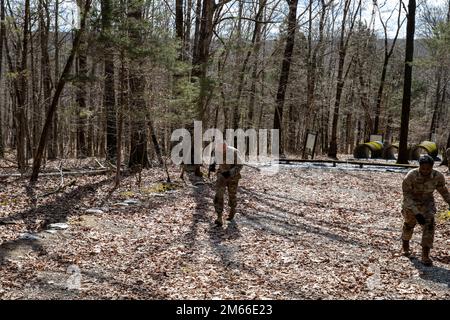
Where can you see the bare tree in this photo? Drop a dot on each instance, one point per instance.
(179, 22)
(59, 88)
(285, 67)
(52, 146)
(313, 61)
(343, 46)
(138, 150)
(406, 102)
(2, 37)
(22, 93)
(388, 51)
(109, 100)
(44, 27)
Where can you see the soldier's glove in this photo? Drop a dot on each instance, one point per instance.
(212, 167)
(420, 219)
(226, 174)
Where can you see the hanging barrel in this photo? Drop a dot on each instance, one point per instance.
(425, 147)
(367, 150)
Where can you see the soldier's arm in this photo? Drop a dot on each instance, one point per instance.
(442, 188)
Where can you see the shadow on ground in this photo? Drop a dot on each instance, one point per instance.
(435, 274)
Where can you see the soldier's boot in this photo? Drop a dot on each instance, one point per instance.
(219, 220)
(406, 250)
(426, 257)
(231, 215)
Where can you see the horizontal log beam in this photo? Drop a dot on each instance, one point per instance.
(334, 162)
(58, 173)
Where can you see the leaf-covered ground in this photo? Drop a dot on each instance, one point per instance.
(301, 233)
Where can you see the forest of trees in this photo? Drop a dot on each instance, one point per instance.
(113, 78)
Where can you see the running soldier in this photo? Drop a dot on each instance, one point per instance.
(419, 206)
(228, 176)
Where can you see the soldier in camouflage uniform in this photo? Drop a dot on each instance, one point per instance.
(419, 206)
(228, 176)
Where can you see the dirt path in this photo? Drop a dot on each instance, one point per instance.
(303, 233)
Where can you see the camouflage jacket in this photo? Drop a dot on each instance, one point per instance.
(232, 162)
(418, 190)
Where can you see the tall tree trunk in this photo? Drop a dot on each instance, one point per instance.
(138, 151)
(434, 119)
(178, 75)
(82, 151)
(312, 58)
(53, 137)
(406, 102)
(313, 64)
(343, 45)
(332, 152)
(387, 56)
(122, 102)
(201, 55)
(44, 25)
(96, 131)
(12, 95)
(81, 111)
(243, 69)
(187, 28)
(179, 24)
(60, 86)
(22, 94)
(2, 37)
(35, 96)
(198, 19)
(256, 50)
(109, 103)
(285, 67)
(200, 61)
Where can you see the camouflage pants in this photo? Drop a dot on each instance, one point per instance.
(427, 228)
(222, 184)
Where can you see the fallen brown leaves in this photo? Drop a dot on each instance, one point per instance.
(299, 234)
